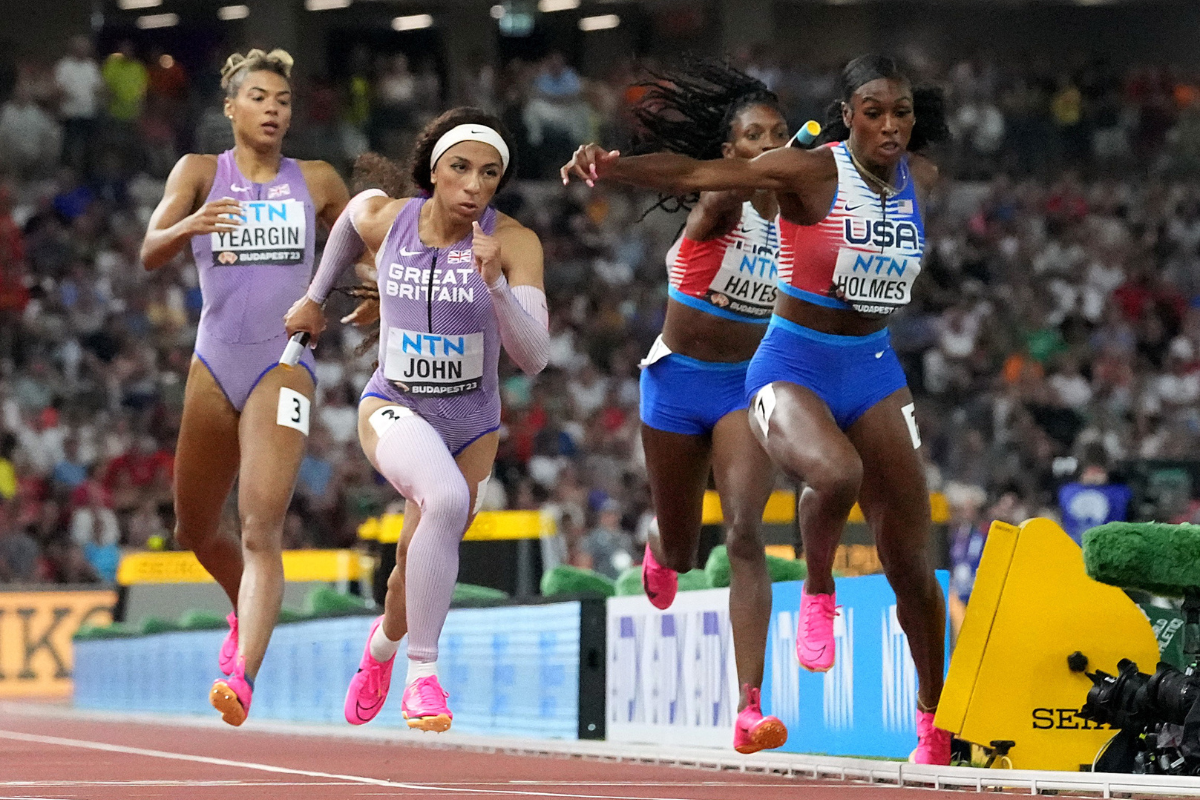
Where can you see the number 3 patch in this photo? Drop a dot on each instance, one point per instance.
(293, 410)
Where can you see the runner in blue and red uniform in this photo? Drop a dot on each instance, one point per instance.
(828, 398)
(722, 275)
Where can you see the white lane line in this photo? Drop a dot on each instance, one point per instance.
(224, 762)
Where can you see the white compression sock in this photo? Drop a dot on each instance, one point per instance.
(383, 648)
(420, 669)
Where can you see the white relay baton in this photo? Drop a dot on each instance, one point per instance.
(295, 347)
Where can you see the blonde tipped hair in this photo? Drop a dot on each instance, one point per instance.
(238, 66)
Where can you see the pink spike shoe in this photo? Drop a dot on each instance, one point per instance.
(229, 647)
(369, 686)
(933, 744)
(231, 695)
(815, 648)
(424, 705)
(659, 582)
(753, 732)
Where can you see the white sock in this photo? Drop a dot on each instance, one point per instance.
(382, 648)
(420, 669)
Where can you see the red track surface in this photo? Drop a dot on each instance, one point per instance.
(72, 759)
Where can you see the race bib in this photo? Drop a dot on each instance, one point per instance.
(271, 232)
(432, 363)
(875, 283)
(745, 283)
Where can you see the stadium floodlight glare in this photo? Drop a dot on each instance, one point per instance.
(413, 22)
(497, 11)
(157, 21)
(601, 22)
(233, 12)
(549, 6)
(325, 5)
(134, 5)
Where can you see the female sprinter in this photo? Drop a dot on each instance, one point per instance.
(456, 280)
(250, 216)
(693, 396)
(828, 398)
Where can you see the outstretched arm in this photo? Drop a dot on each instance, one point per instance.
(781, 170)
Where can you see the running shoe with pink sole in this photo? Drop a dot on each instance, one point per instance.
(229, 647)
(231, 695)
(815, 648)
(753, 732)
(933, 743)
(369, 686)
(659, 582)
(424, 705)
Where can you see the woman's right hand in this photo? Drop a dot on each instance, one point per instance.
(215, 217)
(305, 315)
(589, 164)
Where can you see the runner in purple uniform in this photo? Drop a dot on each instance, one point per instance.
(456, 280)
(250, 216)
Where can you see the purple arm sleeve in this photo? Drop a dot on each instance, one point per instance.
(524, 324)
(343, 248)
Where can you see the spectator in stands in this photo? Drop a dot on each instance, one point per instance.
(126, 80)
(556, 118)
(30, 138)
(609, 548)
(1091, 499)
(18, 551)
(81, 90)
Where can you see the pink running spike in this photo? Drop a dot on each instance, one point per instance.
(753, 732)
(424, 705)
(369, 686)
(933, 744)
(229, 647)
(815, 647)
(231, 695)
(659, 582)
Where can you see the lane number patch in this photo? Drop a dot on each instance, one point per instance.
(764, 406)
(908, 411)
(294, 410)
(383, 418)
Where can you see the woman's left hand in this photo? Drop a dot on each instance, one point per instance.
(486, 250)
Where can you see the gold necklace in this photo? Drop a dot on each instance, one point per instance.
(888, 189)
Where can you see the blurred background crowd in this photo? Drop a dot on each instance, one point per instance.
(1054, 336)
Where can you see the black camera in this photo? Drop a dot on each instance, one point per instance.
(1158, 715)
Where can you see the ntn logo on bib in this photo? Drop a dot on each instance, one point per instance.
(882, 281)
(746, 281)
(271, 232)
(430, 363)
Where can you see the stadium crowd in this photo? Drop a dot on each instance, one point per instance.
(1058, 322)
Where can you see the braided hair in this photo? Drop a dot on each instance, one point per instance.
(691, 109)
(929, 102)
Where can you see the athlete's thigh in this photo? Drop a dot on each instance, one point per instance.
(273, 432)
(476, 462)
(894, 497)
(742, 470)
(207, 454)
(798, 431)
(677, 467)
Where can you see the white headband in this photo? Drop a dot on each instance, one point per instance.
(469, 133)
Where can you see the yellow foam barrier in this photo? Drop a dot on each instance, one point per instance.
(489, 526)
(781, 509)
(1032, 606)
(298, 565)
